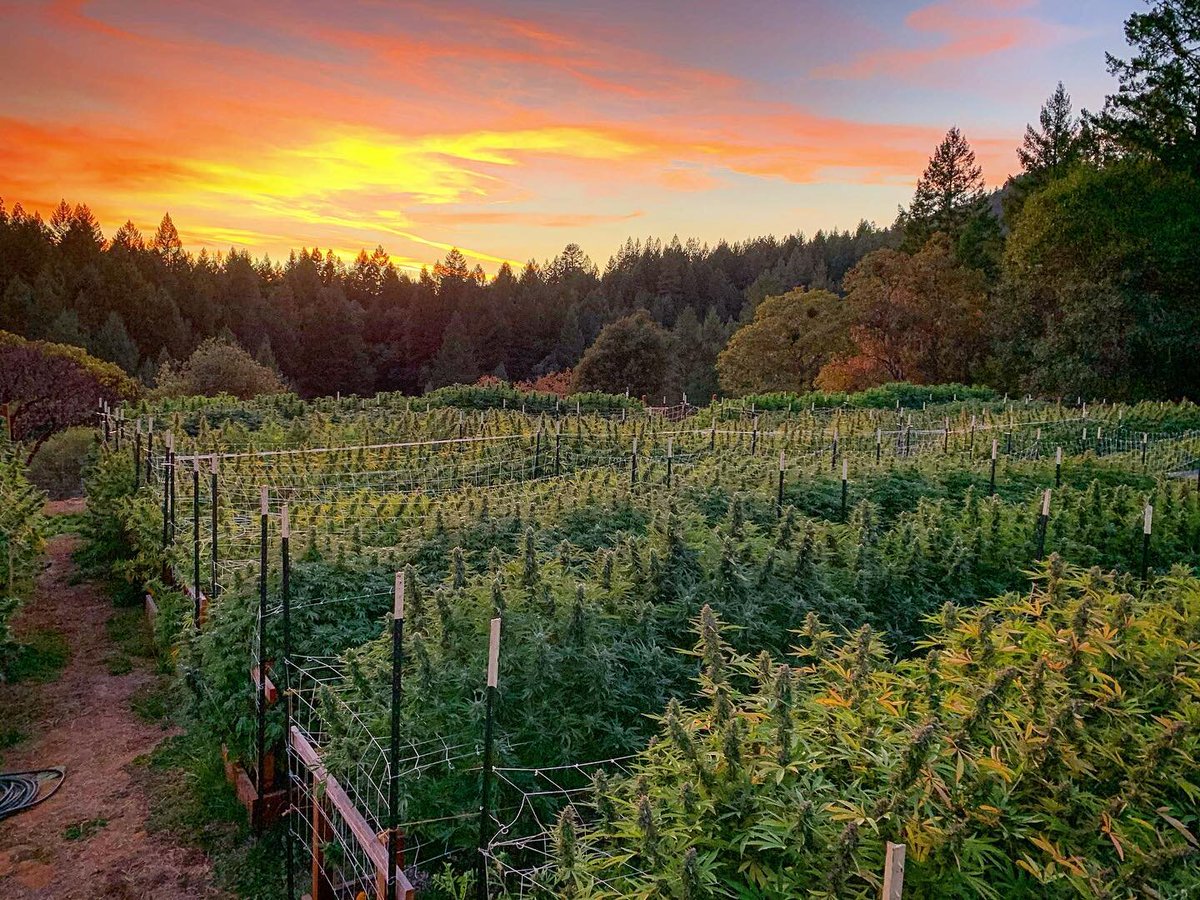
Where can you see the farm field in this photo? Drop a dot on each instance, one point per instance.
(741, 648)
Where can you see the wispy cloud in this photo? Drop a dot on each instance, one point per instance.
(421, 125)
(952, 31)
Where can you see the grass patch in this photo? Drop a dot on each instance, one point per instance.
(129, 630)
(118, 664)
(40, 656)
(12, 734)
(193, 804)
(154, 702)
(81, 831)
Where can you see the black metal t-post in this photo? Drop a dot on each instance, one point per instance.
(214, 501)
(285, 586)
(845, 486)
(261, 737)
(171, 466)
(481, 888)
(394, 749)
(150, 452)
(196, 541)
(1043, 519)
(1146, 523)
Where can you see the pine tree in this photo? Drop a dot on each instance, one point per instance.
(128, 237)
(113, 343)
(1049, 150)
(166, 241)
(949, 193)
(66, 329)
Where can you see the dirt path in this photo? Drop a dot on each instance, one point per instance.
(87, 726)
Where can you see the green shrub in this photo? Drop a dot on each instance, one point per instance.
(216, 368)
(20, 542)
(57, 467)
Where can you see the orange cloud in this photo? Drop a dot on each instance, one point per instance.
(267, 128)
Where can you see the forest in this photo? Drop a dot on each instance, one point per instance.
(1077, 276)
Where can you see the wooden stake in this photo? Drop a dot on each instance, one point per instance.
(893, 872)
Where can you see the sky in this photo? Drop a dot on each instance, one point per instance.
(509, 129)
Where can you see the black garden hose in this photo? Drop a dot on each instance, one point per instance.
(21, 790)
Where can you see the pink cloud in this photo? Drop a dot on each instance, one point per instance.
(323, 124)
(952, 31)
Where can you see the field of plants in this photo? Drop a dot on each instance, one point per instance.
(21, 539)
(740, 648)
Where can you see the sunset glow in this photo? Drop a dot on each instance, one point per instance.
(509, 129)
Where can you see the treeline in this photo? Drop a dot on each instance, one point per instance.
(1078, 277)
(369, 326)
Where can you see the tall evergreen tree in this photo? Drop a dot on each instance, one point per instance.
(167, 243)
(949, 192)
(1049, 149)
(113, 343)
(1156, 109)
(950, 199)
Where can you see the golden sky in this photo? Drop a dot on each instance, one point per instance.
(510, 129)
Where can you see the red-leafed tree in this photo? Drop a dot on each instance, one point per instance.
(47, 387)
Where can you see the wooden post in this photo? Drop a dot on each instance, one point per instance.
(670, 449)
(893, 872)
(1058, 467)
(321, 832)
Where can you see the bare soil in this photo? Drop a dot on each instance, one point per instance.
(84, 722)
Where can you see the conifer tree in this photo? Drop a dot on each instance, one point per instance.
(1050, 148)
